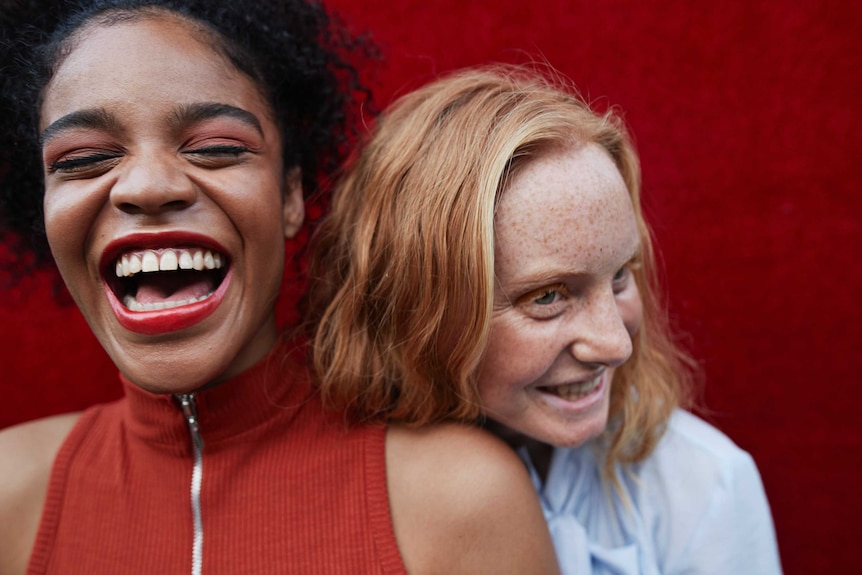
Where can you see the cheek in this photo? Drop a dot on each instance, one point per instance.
(492, 369)
(69, 225)
(69, 219)
(256, 211)
(513, 358)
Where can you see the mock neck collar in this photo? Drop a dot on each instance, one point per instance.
(272, 389)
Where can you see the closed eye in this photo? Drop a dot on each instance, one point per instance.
(220, 150)
(217, 156)
(86, 165)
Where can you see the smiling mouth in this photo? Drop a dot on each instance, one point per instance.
(574, 391)
(158, 279)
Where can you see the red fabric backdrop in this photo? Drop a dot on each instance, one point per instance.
(746, 114)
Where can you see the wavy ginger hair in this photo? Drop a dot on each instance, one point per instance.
(403, 268)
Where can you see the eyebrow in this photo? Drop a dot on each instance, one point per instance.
(93, 119)
(191, 114)
(186, 115)
(546, 278)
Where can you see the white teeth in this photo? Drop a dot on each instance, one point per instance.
(150, 262)
(574, 391)
(134, 305)
(134, 265)
(167, 260)
(198, 261)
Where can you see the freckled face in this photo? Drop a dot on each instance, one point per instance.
(565, 302)
(166, 203)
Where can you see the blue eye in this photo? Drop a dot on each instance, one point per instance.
(621, 279)
(544, 303)
(547, 297)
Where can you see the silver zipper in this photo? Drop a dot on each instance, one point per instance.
(190, 412)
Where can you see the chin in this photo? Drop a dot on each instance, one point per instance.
(165, 373)
(574, 436)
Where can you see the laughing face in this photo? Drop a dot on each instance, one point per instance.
(565, 302)
(166, 202)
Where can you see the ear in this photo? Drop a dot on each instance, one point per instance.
(293, 203)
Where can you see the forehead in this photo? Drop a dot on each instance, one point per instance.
(136, 61)
(568, 208)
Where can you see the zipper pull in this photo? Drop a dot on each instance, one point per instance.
(190, 412)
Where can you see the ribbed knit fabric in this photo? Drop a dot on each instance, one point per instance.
(286, 487)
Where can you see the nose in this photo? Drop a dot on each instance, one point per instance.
(599, 334)
(153, 183)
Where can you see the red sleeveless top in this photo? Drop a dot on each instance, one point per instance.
(275, 485)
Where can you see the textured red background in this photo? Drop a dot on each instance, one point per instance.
(747, 117)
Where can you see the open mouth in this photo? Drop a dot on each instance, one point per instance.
(165, 278)
(575, 391)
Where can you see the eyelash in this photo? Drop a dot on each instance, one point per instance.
(623, 276)
(560, 292)
(545, 292)
(217, 155)
(532, 304)
(80, 163)
(220, 150)
(619, 279)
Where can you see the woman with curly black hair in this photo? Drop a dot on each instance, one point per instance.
(160, 150)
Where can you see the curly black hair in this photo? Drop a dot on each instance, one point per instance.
(301, 57)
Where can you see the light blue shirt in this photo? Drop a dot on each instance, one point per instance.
(697, 507)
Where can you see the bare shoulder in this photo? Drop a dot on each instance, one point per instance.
(462, 502)
(27, 452)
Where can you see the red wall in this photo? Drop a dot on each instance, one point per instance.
(747, 117)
